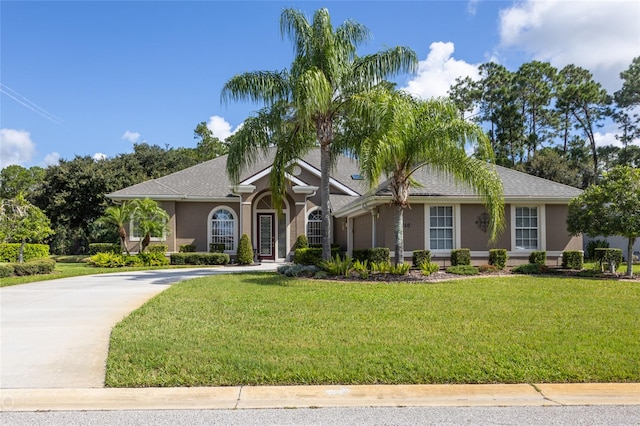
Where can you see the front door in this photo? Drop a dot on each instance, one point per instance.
(266, 236)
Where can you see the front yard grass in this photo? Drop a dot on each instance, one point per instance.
(266, 329)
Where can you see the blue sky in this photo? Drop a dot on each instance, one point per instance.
(92, 78)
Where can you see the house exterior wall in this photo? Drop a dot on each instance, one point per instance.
(473, 237)
(414, 227)
(340, 232)
(362, 232)
(192, 223)
(558, 238)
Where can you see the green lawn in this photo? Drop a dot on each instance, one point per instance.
(268, 329)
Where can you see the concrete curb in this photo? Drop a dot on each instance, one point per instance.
(252, 397)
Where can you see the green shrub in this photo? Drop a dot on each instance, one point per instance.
(487, 268)
(151, 258)
(530, 269)
(95, 248)
(133, 260)
(158, 248)
(538, 258)
(295, 270)
(498, 258)
(608, 256)
(420, 256)
(380, 267)
(107, 260)
(572, 259)
(463, 270)
(34, 267)
(400, 269)
(337, 266)
(216, 248)
(199, 258)
(460, 257)
(372, 255)
(592, 246)
(312, 255)
(361, 268)
(9, 252)
(429, 268)
(187, 248)
(245, 251)
(6, 270)
(301, 242)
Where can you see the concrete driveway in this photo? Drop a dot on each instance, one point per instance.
(55, 334)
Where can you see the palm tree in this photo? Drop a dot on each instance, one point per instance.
(118, 216)
(306, 105)
(150, 219)
(411, 134)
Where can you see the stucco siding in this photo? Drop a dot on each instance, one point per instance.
(558, 238)
(192, 223)
(362, 232)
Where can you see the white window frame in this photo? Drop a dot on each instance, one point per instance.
(457, 242)
(306, 224)
(452, 227)
(133, 230)
(234, 216)
(541, 216)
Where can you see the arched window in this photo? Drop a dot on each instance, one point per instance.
(314, 227)
(223, 228)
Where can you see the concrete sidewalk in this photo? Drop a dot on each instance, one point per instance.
(252, 397)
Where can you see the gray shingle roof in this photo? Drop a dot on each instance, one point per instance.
(209, 180)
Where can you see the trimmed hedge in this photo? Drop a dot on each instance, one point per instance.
(302, 242)
(530, 269)
(372, 255)
(117, 260)
(187, 248)
(420, 257)
(592, 246)
(245, 251)
(34, 267)
(6, 270)
(158, 248)
(312, 255)
(9, 252)
(460, 257)
(95, 248)
(498, 258)
(538, 258)
(608, 256)
(572, 259)
(216, 248)
(199, 258)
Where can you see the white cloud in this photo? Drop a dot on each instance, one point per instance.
(99, 156)
(601, 36)
(51, 159)
(16, 147)
(608, 138)
(220, 127)
(132, 137)
(438, 72)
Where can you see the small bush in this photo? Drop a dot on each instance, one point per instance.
(380, 267)
(216, 248)
(372, 255)
(400, 269)
(158, 248)
(361, 268)
(9, 252)
(312, 255)
(530, 269)
(199, 258)
(572, 259)
(463, 270)
(420, 256)
(538, 258)
(592, 246)
(34, 267)
(245, 251)
(429, 268)
(153, 258)
(6, 270)
(460, 257)
(107, 260)
(307, 271)
(95, 248)
(187, 248)
(608, 256)
(302, 242)
(337, 266)
(133, 260)
(498, 258)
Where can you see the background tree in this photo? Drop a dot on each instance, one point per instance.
(209, 146)
(150, 220)
(413, 134)
(15, 179)
(628, 102)
(307, 104)
(22, 222)
(612, 207)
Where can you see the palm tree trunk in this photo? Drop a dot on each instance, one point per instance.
(324, 134)
(399, 232)
(123, 239)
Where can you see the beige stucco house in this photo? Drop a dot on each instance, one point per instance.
(205, 207)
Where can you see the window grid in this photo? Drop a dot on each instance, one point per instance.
(527, 228)
(314, 227)
(223, 228)
(441, 227)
